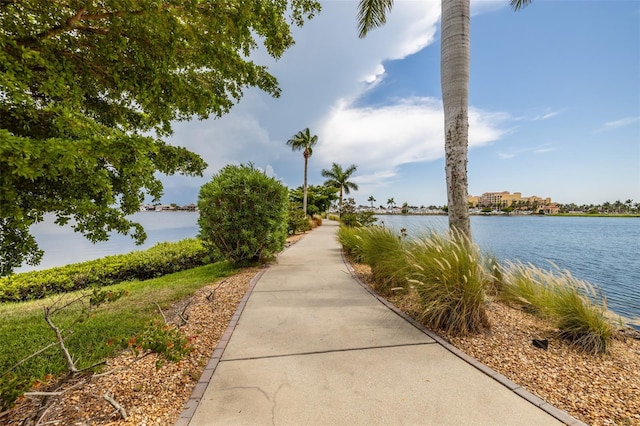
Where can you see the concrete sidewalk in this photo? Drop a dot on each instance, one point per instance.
(312, 346)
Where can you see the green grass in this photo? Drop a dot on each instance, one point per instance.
(448, 275)
(576, 307)
(23, 330)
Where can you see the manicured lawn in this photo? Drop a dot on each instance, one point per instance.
(23, 330)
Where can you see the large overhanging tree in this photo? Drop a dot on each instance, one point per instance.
(87, 89)
(455, 54)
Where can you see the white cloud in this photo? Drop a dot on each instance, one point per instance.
(381, 139)
(621, 123)
(545, 150)
(321, 78)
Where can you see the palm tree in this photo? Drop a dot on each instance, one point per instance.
(338, 178)
(371, 200)
(455, 65)
(391, 202)
(455, 55)
(303, 141)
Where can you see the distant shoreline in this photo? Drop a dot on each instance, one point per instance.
(518, 215)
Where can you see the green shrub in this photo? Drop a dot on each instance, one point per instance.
(161, 259)
(243, 214)
(447, 272)
(385, 253)
(297, 221)
(575, 306)
(350, 217)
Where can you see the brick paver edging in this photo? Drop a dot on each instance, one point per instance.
(191, 405)
(562, 416)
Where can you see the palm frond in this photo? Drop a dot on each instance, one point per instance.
(519, 4)
(372, 14)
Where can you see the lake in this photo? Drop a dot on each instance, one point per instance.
(603, 251)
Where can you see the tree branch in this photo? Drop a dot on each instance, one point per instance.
(161, 313)
(109, 398)
(65, 353)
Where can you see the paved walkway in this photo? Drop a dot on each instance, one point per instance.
(310, 345)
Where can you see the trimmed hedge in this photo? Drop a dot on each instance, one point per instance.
(161, 259)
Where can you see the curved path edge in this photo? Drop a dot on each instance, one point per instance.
(561, 415)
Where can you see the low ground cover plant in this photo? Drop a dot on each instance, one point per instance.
(161, 259)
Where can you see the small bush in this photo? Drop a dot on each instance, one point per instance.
(577, 307)
(243, 214)
(447, 272)
(163, 339)
(297, 221)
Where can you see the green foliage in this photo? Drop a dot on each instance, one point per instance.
(577, 307)
(319, 198)
(23, 330)
(84, 86)
(243, 214)
(447, 272)
(11, 387)
(350, 217)
(161, 259)
(163, 339)
(297, 221)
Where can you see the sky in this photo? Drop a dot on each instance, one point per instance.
(554, 105)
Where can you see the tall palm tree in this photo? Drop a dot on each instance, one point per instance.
(455, 65)
(455, 55)
(338, 178)
(371, 200)
(303, 141)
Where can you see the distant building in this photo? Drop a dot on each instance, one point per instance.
(189, 207)
(500, 200)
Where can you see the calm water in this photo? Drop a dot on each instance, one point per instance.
(63, 246)
(602, 251)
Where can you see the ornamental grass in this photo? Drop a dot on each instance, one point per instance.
(446, 270)
(351, 242)
(385, 252)
(575, 306)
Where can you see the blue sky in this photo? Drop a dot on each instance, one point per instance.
(554, 105)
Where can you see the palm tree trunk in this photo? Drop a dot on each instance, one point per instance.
(455, 65)
(304, 191)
